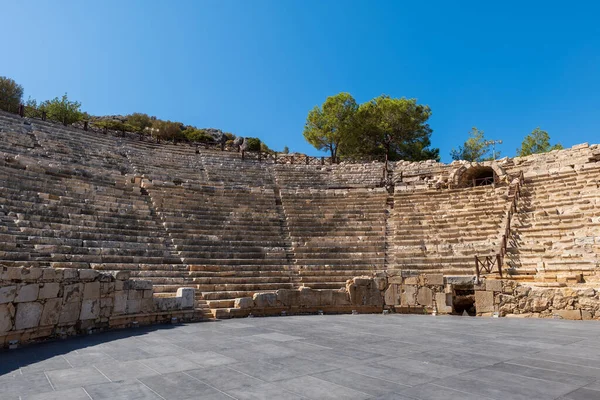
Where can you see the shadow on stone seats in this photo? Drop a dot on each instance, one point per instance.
(12, 360)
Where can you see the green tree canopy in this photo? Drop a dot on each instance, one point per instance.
(395, 128)
(166, 130)
(474, 149)
(11, 94)
(328, 126)
(139, 122)
(197, 135)
(538, 141)
(62, 110)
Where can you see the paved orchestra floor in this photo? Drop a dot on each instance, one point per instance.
(316, 357)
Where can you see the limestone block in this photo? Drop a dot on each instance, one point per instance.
(70, 274)
(288, 297)
(50, 275)
(340, 298)
(408, 295)
(325, 297)
(568, 314)
(7, 294)
(443, 302)
(244, 302)
(69, 313)
(120, 303)
(90, 309)
(91, 290)
(434, 279)
(411, 280)
(140, 285)
(135, 294)
(119, 285)
(72, 293)
(121, 275)
(381, 283)
(425, 297)
(398, 280)
(187, 297)
(107, 288)
(28, 315)
(265, 299)
(134, 306)
(33, 274)
(585, 315)
(147, 305)
(88, 274)
(7, 312)
(362, 281)
(147, 294)
(484, 301)
(493, 285)
(51, 313)
(49, 290)
(27, 293)
(309, 297)
(12, 274)
(392, 295)
(165, 303)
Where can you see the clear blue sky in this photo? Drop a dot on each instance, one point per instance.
(256, 68)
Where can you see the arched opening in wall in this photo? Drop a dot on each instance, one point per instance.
(463, 300)
(477, 176)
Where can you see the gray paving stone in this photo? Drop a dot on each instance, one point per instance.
(125, 370)
(178, 385)
(118, 391)
(266, 391)
(168, 364)
(362, 383)
(583, 394)
(315, 388)
(67, 394)
(209, 359)
(224, 378)
(75, 377)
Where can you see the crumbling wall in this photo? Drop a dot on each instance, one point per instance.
(513, 299)
(38, 303)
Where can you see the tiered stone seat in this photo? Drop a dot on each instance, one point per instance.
(555, 233)
(166, 162)
(83, 222)
(232, 238)
(336, 234)
(228, 168)
(442, 230)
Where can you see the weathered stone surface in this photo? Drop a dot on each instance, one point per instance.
(49, 290)
(91, 290)
(425, 297)
(187, 297)
(27, 293)
(392, 295)
(568, 314)
(7, 313)
(408, 297)
(90, 309)
(288, 297)
(262, 300)
(8, 294)
(28, 315)
(484, 301)
(51, 312)
(69, 313)
(434, 279)
(443, 302)
(244, 302)
(493, 285)
(120, 302)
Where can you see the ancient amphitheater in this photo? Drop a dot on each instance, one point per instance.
(100, 231)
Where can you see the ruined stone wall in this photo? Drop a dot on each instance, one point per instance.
(37, 303)
(508, 298)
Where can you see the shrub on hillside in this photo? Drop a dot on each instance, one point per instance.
(62, 110)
